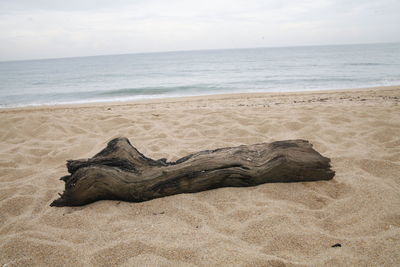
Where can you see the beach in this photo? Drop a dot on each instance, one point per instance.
(276, 224)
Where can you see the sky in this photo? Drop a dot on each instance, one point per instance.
(31, 29)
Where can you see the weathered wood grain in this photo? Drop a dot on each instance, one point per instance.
(121, 172)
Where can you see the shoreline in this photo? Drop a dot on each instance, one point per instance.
(203, 97)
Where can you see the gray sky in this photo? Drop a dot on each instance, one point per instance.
(52, 28)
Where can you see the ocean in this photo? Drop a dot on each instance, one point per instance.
(186, 73)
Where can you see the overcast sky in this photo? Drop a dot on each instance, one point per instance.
(51, 28)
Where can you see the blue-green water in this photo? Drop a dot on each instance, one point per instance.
(170, 74)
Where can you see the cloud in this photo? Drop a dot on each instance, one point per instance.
(42, 28)
(59, 5)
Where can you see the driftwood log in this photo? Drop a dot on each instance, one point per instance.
(121, 172)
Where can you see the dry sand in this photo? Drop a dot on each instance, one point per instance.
(292, 224)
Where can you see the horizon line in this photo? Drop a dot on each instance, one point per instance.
(194, 50)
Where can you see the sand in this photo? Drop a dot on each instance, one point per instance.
(292, 224)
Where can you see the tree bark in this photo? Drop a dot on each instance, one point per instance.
(121, 172)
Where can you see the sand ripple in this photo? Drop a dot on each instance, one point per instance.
(292, 224)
